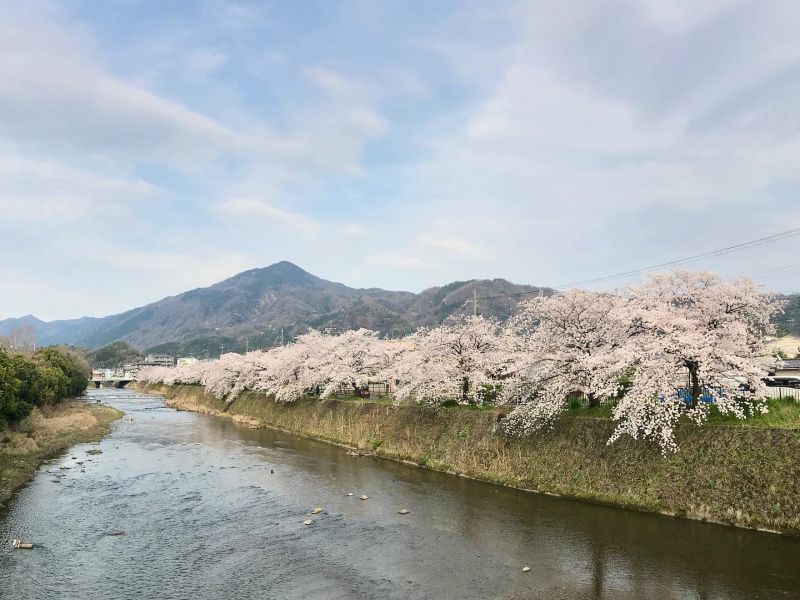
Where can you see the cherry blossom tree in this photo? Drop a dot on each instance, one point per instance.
(353, 359)
(453, 361)
(292, 369)
(572, 342)
(221, 376)
(697, 333)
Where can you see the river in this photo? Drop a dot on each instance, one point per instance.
(211, 509)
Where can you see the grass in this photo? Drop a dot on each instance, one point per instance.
(46, 433)
(782, 414)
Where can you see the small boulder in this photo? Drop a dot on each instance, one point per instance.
(364, 497)
(525, 569)
(403, 511)
(316, 511)
(307, 522)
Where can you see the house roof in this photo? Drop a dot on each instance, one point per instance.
(790, 363)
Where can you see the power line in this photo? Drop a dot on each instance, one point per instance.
(673, 263)
(777, 273)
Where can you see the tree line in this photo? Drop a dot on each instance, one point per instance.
(30, 379)
(668, 348)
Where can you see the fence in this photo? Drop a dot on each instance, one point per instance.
(581, 398)
(376, 390)
(784, 393)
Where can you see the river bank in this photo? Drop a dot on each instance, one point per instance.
(45, 433)
(743, 476)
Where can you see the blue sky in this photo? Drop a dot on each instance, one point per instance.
(150, 147)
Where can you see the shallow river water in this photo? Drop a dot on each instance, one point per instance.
(211, 510)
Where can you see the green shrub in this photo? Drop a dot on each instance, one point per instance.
(48, 376)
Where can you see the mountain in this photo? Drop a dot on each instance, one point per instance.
(255, 308)
(112, 355)
(49, 332)
(788, 322)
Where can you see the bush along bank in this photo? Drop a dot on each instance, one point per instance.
(744, 476)
(38, 379)
(38, 417)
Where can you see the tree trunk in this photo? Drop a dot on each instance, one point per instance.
(594, 401)
(465, 389)
(694, 379)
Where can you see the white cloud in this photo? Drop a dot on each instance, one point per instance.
(403, 263)
(454, 247)
(54, 95)
(263, 211)
(178, 264)
(45, 191)
(353, 230)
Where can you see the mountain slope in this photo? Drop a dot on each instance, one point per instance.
(255, 308)
(50, 332)
(788, 322)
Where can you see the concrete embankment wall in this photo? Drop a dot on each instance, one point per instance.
(747, 476)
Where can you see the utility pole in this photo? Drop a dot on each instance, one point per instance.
(246, 345)
(474, 302)
(221, 349)
(281, 336)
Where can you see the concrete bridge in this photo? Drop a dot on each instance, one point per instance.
(116, 382)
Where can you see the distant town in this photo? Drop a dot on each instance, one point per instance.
(130, 370)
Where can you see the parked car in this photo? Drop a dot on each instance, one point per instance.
(791, 382)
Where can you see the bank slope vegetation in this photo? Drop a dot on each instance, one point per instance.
(679, 348)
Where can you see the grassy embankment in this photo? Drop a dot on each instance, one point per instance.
(46, 432)
(745, 473)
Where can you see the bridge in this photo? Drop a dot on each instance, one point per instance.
(117, 382)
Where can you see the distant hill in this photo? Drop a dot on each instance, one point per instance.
(788, 322)
(51, 332)
(112, 355)
(252, 309)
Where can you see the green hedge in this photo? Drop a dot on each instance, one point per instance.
(44, 377)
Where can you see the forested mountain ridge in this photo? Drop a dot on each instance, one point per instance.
(256, 307)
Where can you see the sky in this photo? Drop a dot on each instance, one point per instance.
(150, 147)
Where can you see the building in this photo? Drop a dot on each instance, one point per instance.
(156, 360)
(788, 368)
(187, 360)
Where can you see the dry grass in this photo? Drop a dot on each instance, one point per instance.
(744, 475)
(44, 434)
